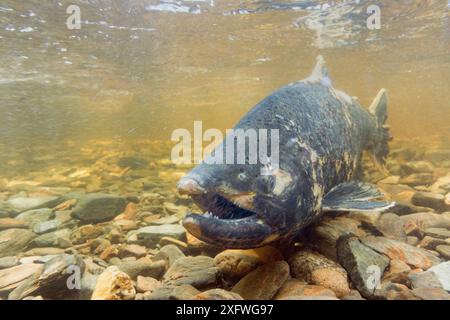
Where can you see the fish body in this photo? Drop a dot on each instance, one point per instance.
(322, 133)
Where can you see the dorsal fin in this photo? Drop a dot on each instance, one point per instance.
(320, 73)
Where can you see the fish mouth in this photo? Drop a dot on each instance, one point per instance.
(228, 221)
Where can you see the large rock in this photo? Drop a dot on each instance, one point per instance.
(325, 235)
(151, 235)
(316, 269)
(35, 216)
(237, 263)
(84, 233)
(415, 257)
(12, 277)
(432, 200)
(142, 267)
(10, 223)
(50, 239)
(263, 282)
(13, 241)
(391, 226)
(364, 265)
(114, 284)
(294, 289)
(424, 220)
(98, 207)
(442, 272)
(55, 280)
(199, 272)
(218, 294)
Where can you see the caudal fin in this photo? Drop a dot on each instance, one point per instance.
(379, 149)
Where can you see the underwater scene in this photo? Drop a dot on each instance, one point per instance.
(225, 150)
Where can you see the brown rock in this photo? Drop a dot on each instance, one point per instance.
(85, 233)
(316, 269)
(199, 272)
(132, 250)
(297, 288)
(398, 271)
(444, 251)
(426, 279)
(417, 179)
(263, 282)
(12, 277)
(439, 233)
(430, 243)
(113, 284)
(424, 220)
(431, 294)
(237, 263)
(13, 241)
(391, 226)
(435, 201)
(145, 284)
(415, 257)
(110, 252)
(10, 223)
(218, 294)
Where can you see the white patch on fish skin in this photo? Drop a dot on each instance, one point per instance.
(319, 73)
(282, 180)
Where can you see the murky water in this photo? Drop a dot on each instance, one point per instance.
(74, 102)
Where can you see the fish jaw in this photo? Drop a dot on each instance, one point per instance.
(245, 233)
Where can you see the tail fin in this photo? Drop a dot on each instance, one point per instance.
(379, 150)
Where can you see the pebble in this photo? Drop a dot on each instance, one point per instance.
(218, 294)
(427, 279)
(151, 235)
(142, 267)
(9, 223)
(35, 216)
(435, 201)
(13, 241)
(8, 262)
(147, 284)
(442, 272)
(114, 284)
(263, 282)
(46, 226)
(98, 207)
(296, 288)
(444, 251)
(237, 263)
(391, 226)
(199, 271)
(439, 233)
(132, 250)
(316, 269)
(415, 257)
(50, 239)
(431, 294)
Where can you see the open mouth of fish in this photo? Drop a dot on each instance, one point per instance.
(227, 221)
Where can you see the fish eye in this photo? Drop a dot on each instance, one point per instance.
(242, 176)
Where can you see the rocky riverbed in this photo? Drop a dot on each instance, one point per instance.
(103, 222)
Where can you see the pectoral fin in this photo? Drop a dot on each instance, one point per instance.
(355, 196)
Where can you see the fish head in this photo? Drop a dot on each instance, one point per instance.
(243, 205)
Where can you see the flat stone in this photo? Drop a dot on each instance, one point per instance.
(396, 291)
(172, 219)
(13, 241)
(142, 267)
(53, 281)
(316, 269)
(8, 262)
(417, 179)
(199, 272)
(13, 277)
(431, 243)
(114, 284)
(435, 201)
(324, 237)
(296, 288)
(172, 292)
(170, 253)
(132, 250)
(36, 215)
(362, 264)
(237, 263)
(43, 252)
(439, 233)
(425, 279)
(46, 226)
(10, 223)
(398, 271)
(218, 294)
(151, 235)
(263, 282)
(415, 257)
(147, 284)
(50, 239)
(98, 207)
(417, 167)
(437, 155)
(26, 203)
(444, 251)
(431, 294)
(84, 233)
(424, 220)
(391, 226)
(442, 272)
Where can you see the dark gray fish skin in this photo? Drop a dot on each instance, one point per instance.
(323, 133)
